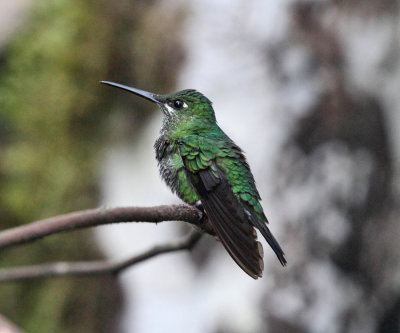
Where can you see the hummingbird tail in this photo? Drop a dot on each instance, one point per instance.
(230, 222)
(262, 226)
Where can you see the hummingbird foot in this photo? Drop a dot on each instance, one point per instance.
(199, 206)
(204, 223)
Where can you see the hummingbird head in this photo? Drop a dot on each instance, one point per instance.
(186, 104)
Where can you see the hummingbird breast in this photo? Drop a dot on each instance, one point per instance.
(172, 170)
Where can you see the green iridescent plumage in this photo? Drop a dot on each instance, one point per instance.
(202, 152)
(201, 164)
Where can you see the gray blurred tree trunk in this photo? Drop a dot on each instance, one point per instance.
(339, 161)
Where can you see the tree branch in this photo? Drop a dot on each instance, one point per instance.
(92, 268)
(95, 217)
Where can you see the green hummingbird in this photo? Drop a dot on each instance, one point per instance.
(205, 168)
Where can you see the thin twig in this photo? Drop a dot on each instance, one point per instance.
(100, 216)
(95, 268)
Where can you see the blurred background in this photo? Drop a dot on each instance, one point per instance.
(308, 89)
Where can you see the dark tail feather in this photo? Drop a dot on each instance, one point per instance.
(231, 225)
(262, 226)
(241, 245)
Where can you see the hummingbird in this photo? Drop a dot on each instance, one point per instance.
(206, 169)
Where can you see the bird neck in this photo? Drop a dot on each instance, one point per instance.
(177, 129)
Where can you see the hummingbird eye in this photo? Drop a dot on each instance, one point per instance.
(178, 104)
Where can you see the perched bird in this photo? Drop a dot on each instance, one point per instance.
(203, 166)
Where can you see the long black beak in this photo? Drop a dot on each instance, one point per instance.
(145, 94)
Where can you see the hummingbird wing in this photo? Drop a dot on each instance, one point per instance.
(212, 166)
